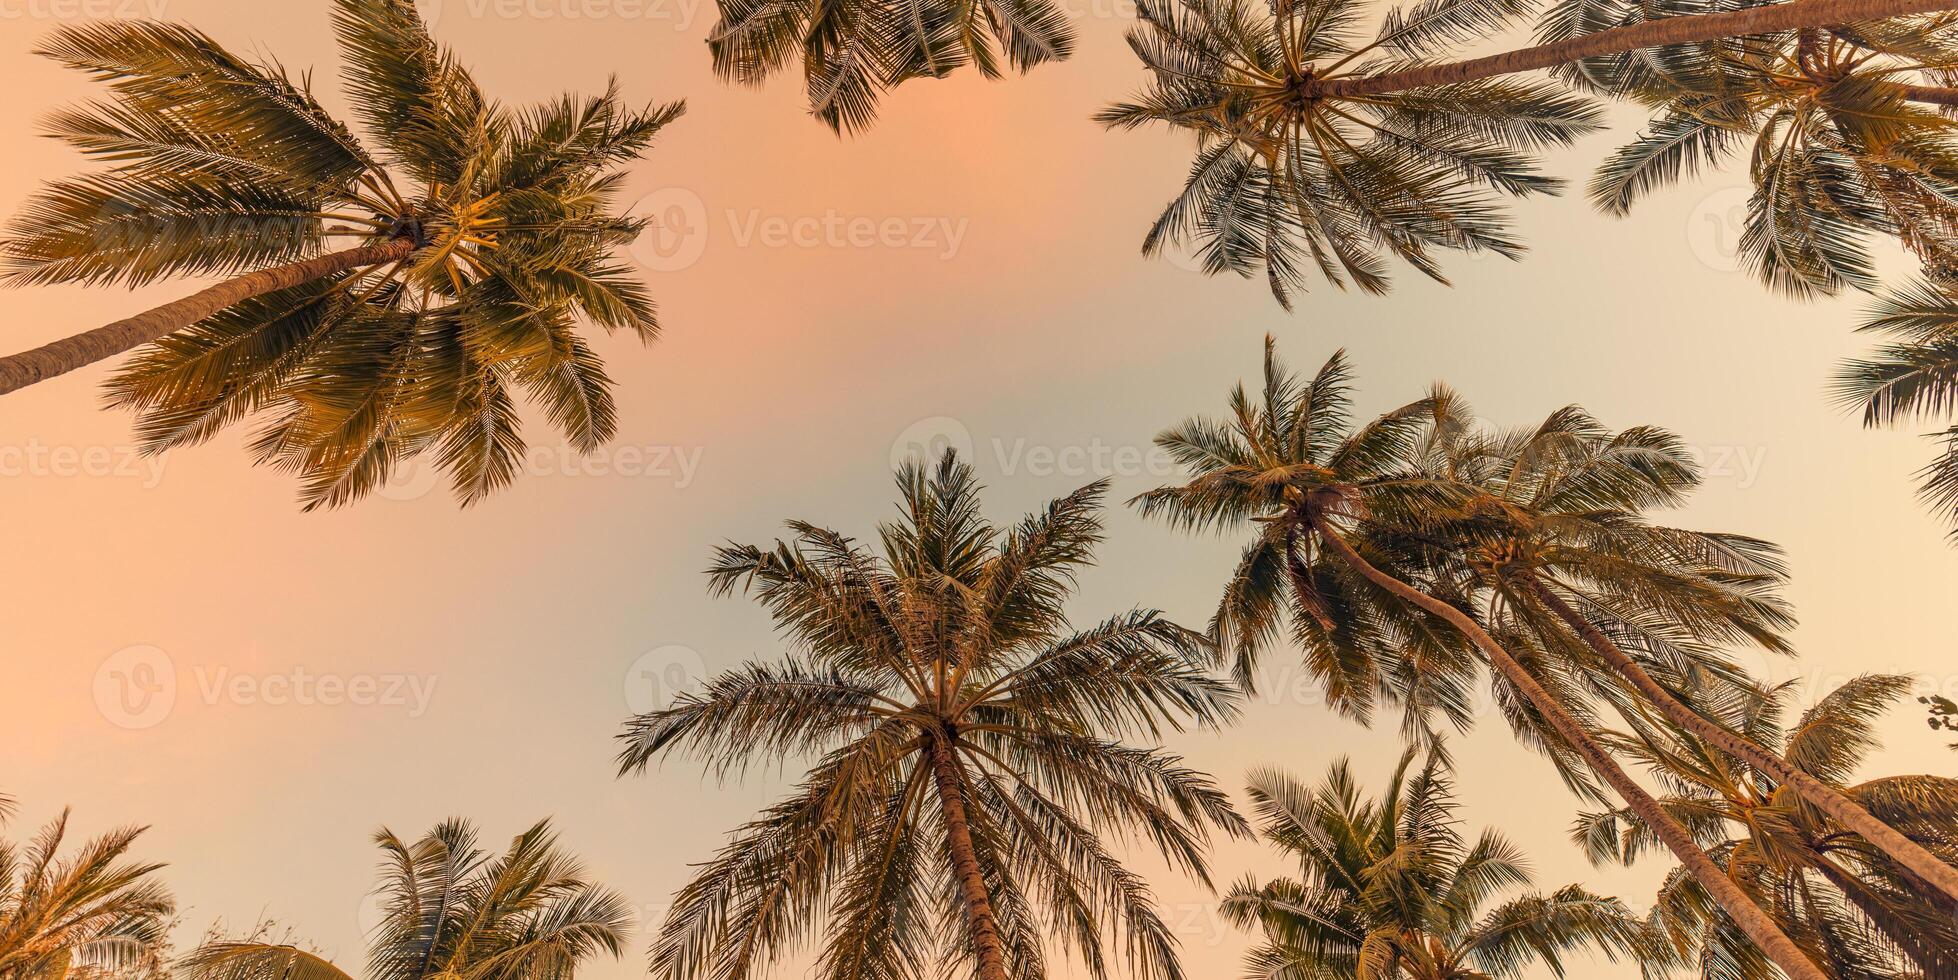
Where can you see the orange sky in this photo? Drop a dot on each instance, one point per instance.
(496, 649)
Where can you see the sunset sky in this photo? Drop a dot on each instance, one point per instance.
(966, 273)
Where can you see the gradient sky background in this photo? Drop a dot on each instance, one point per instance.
(791, 376)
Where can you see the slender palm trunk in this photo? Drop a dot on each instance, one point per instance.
(1822, 796)
(82, 349)
(1650, 34)
(1747, 915)
(965, 861)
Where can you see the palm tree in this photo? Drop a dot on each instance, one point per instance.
(852, 51)
(373, 307)
(1322, 146)
(1390, 887)
(1856, 911)
(1843, 145)
(1556, 524)
(1297, 468)
(453, 911)
(90, 915)
(970, 765)
(1914, 376)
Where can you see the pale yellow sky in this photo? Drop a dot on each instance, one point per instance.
(967, 270)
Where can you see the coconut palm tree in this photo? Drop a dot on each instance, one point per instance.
(1914, 376)
(1390, 887)
(1855, 910)
(1846, 140)
(853, 51)
(970, 774)
(1297, 469)
(449, 909)
(1323, 145)
(89, 915)
(373, 305)
(1555, 538)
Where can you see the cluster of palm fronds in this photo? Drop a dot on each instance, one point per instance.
(491, 233)
(447, 909)
(89, 915)
(1404, 549)
(972, 787)
(1325, 141)
(1327, 144)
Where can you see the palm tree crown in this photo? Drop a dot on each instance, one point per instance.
(1390, 887)
(89, 915)
(1292, 450)
(1841, 145)
(1852, 908)
(393, 299)
(971, 775)
(453, 911)
(853, 51)
(1289, 179)
(1914, 376)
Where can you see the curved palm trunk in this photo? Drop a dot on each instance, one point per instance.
(1651, 34)
(1822, 796)
(82, 349)
(1748, 916)
(965, 862)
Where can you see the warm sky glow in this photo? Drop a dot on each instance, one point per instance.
(968, 269)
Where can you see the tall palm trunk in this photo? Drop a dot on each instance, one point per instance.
(1618, 40)
(1747, 915)
(965, 861)
(82, 349)
(1822, 796)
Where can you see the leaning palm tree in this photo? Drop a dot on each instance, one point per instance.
(373, 305)
(853, 51)
(1914, 376)
(1846, 140)
(1390, 887)
(1297, 469)
(1849, 905)
(1322, 145)
(453, 911)
(89, 915)
(970, 775)
(1555, 537)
